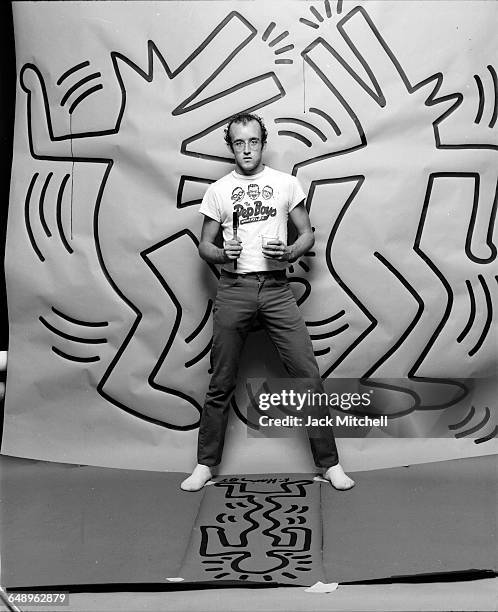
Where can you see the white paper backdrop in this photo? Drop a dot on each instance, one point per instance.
(387, 114)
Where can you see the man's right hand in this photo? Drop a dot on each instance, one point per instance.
(232, 248)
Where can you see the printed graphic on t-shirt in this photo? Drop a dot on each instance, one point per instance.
(238, 194)
(253, 209)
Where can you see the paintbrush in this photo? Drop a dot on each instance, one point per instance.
(235, 225)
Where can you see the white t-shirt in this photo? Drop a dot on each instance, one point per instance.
(263, 202)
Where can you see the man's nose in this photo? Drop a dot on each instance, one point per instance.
(247, 147)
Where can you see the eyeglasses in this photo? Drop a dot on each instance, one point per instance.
(239, 145)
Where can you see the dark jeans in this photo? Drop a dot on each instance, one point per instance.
(240, 300)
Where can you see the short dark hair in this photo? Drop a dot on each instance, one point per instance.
(246, 118)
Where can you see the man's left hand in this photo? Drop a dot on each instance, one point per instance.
(276, 249)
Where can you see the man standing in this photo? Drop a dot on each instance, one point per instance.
(256, 288)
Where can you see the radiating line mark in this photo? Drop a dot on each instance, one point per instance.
(69, 336)
(284, 61)
(466, 420)
(494, 116)
(309, 23)
(268, 31)
(202, 354)
(304, 124)
(491, 435)
(84, 95)
(304, 266)
(330, 334)
(27, 217)
(284, 49)
(60, 226)
(74, 358)
(315, 12)
(77, 321)
(480, 91)
(321, 352)
(280, 37)
(472, 314)
(204, 319)
(73, 88)
(41, 206)
(296, 136)
(327, 118)
(339, 7)
(489, 316)
(72, 71)
(338, 315)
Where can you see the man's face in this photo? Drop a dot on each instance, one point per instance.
(247, 147)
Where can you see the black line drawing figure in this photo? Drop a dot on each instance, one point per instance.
(419, 287)
(262, 534)
(121, 204)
